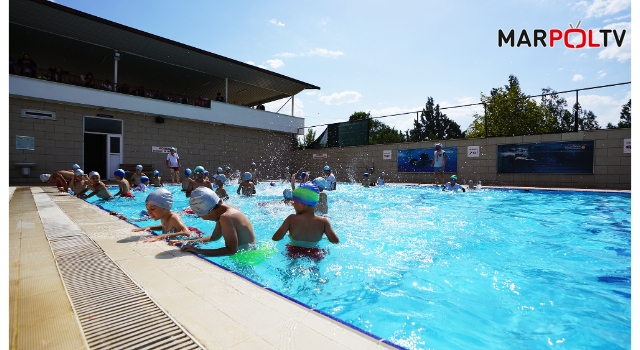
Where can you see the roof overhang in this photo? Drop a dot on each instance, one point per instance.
(66, 22)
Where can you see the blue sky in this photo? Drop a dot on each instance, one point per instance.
(385, 58)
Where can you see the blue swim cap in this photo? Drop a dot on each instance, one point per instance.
(187, 171)
(119, 173)
(156, 173)
(75, 166)
(320, 182)
(144, 179)
(206, 172)
(222, 178)
(138, 167)
(287, 193)
(303, 175)
(220, 170)
(273, 184)
(365, 174)
(144, 213)
(227, 168)
(326, 168)
(247, 176)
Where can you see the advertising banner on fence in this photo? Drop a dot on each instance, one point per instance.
(568, 157)
(419, 160)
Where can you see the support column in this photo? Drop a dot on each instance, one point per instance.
(226, 90)
(116, 58)
(292, 96)
(575, 126)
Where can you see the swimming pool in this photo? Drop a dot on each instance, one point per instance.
(428, 269)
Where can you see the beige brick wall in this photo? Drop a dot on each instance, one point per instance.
(612, 167)
(59, 143)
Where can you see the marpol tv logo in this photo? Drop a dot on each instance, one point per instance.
(572, 38)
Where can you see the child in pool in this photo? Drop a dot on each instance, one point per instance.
(199, 181)
(135, 178)
(159, 203)
(247, 186)
(230, 222)
(304, 227)
(452, 185)
(79, 182)
(187, 179)
(123, 184)
(97, 187)
(144, 182)
(365, 179)
(157, 179)
(221, 191)
(323, 204)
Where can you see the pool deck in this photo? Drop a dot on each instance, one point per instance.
(217, 308)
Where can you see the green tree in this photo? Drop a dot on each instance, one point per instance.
(553, 112)
(625, 117)
(433, 125)
(308, 139)
(379, 132)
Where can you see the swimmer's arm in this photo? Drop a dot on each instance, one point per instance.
(189, 189)
(238, 191)
(330, 233)
(284, 228)
(293, 182)
(225, 226)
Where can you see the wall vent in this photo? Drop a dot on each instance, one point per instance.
(32, 113)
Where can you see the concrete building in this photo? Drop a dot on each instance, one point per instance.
(122, 96)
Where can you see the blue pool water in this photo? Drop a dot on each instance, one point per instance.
(499, 269)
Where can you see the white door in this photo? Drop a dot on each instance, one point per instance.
(114, 154)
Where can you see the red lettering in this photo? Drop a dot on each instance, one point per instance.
(554, 35)
(575, 31)
(591, 43)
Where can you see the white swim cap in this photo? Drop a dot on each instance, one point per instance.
(45, 177)
(161, 198)
(94, 173)
(382, 174)
(78, 172)
(75, 166)
(222, 178)
(138, 167)
(438, 144)
(253, 164)
(203, 200)
(246, 176)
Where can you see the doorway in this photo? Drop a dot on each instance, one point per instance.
(102, 146)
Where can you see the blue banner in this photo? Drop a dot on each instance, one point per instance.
(568, 157)
(419, 160)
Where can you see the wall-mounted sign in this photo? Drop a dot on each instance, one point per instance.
(319, 155)
(160, 149)
(386, 154)
(419, 160)
(473, 151)
(627, 146)
(25, 142)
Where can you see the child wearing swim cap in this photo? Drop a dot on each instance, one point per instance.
(452, 185)
(79, 182)
(156, 180)
(142, 187)
(323, 204)
(97, 187)
(231, 224)
(365, 179)
(221, 191)
(187, 179)
(330, 178)
(198, 181)
(304, 227)
(159, 203)
(123, 184)
(135, 178)
(381, 179)
(247, 186)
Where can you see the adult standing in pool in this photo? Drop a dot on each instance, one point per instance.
(173, 163)
(438, 162)
(330, 178)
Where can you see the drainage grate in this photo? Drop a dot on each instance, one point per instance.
(113, 311)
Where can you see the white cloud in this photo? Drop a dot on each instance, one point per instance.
(601, 74)
(606, 108)
(612, 50)
(599, 8)
(400, 122)
(261, 66)
(617, 18)
(577, 77)
(325, 53)
(277, 63)
(278, 24)
(583, 54)
(289, 54)
(251, 63)
(341, 98)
